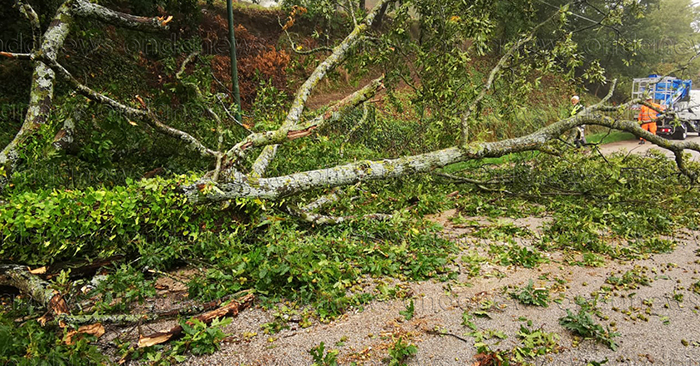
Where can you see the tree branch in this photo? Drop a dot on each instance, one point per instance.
(358, 125)
(322, 201)
(130, 112)
(22, 279)
(87, 9)
(297, 49)
(200, 96)
(18, 56)
(42, 89)
(289, 133)
(364, 171)
(608, 96)
(320, 219)
(51, 43)
(303, 93)
(33, 18)
(474, 105)
(231, 309)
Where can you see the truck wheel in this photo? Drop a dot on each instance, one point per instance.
(681, 132)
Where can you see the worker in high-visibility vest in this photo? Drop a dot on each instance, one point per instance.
(580, 138)
(648, 116)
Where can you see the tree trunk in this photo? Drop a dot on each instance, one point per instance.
(380, 17)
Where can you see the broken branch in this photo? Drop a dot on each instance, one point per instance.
(89, 10)
(232, 309)
(18, 56)
(21, 278)
(285, 134)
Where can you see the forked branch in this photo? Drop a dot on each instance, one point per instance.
(290, 133)
(334, 59)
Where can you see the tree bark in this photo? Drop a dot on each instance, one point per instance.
(45, 53)
(20, 278)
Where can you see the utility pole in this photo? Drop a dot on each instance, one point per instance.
(234, 63)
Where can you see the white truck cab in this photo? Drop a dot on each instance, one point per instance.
(690, 110)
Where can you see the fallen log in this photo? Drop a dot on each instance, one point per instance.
(21, 278)
(231, 309)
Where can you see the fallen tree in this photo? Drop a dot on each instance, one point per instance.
(232, 179)
(239, 173)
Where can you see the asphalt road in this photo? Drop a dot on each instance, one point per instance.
(634, 147)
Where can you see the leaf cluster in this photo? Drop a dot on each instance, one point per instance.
(323, 358)
(400, 351)
(582, 323)
(530, 295)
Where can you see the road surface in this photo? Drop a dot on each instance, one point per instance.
(634, 147)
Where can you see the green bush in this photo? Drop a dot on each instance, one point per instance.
(46, 226)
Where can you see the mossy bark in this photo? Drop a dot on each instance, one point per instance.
(47, 46)
(41, 95)
(20, 278)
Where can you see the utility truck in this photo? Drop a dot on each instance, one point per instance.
(674, 95)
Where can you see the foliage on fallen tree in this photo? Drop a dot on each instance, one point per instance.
(47, 226)
(613, 204)
(597, 204)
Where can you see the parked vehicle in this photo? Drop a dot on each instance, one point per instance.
(675, 95)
